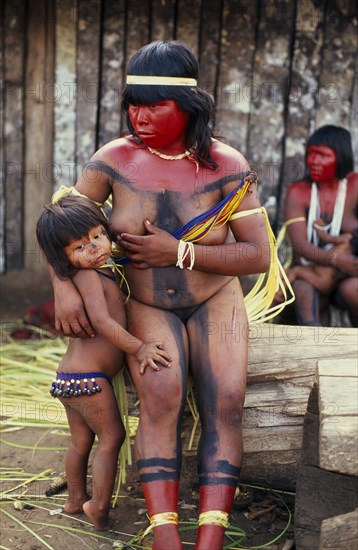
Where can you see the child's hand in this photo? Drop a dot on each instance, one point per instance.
(149, 354)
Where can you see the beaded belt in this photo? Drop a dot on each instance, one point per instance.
(68, 384)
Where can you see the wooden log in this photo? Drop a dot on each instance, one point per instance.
(340, 532)
(281, 373)
(319, 494)
(338, 409)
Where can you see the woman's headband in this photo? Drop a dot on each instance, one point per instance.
(160, 80)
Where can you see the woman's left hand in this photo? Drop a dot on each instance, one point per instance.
(157, 248)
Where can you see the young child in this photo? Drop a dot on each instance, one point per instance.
(73, 235)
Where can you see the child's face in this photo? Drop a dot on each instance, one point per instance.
(91, 251)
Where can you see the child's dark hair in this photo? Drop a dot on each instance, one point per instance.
(72, 217)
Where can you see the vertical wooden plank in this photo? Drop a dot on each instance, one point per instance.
(14, 33)
(269, 91)
(234, 86)
(65, 93)
(88, 83)
(138, 18)
(187, 29)
(162, 18)
(210, 30)
(137, 32)
(338, 64)
(112, 67)
(39, 101)
(2, 142)
(305, 69)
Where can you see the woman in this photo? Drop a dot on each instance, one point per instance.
(168, 171)
(328, 195)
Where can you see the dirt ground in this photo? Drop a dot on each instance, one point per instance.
(263, 514)
(58, 530)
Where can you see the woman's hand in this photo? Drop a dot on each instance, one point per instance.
(157, 248)
(70, 315)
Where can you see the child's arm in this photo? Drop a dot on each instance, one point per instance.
(91, 289)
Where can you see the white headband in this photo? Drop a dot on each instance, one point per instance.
(160, 80)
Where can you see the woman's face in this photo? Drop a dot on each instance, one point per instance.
(160, 125)
(321, 162)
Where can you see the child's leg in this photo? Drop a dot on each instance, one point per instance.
(76, 459)
(103, 418)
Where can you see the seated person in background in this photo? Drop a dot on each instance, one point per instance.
(324, 278)
(329, 193)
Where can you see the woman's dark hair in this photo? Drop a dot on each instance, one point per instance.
(72, 217)
(338, 139)
(173, 59)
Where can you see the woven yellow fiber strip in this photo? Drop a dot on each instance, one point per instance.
(258, 301)
(284, 240)
(214, 517)
(161, 519)
(64, 190)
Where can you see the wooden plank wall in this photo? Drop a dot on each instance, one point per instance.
(277, 69)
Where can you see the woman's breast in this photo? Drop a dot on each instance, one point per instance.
(167, 210)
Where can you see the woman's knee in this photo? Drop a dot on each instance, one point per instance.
(163, 400)
(226, 408)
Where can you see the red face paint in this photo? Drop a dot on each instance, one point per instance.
(321, 162)
(161, 125)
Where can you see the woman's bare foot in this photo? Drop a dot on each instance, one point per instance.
(75, 506)
(99, 519)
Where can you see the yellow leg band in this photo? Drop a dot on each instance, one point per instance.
(161, 519)
(214, 517)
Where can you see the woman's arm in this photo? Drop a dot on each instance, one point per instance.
(70, 315)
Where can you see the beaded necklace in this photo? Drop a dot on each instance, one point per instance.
(187, 154)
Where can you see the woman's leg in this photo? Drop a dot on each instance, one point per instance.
(102, 416)
(218, 335)
(162, 398)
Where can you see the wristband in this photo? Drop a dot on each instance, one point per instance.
(185, 251)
